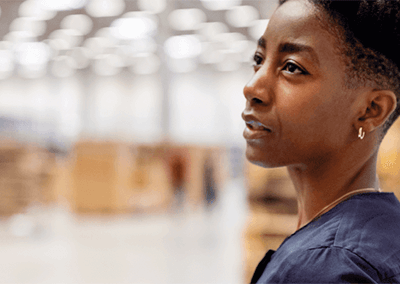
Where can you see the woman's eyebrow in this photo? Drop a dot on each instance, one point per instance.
(262, 43)
(290, 47)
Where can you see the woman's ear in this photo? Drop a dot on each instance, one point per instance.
(379, 105)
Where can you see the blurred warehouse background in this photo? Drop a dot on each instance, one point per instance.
(121, 149)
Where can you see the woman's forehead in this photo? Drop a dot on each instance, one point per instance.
(296, 17)
(296, 26)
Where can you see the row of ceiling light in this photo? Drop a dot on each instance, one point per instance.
(130, 41)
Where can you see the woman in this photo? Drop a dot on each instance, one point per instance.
(324, 93)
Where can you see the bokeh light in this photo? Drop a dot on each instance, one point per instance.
(32, 53)
(19, 36)
(211, 30)
(32, 58)
(182, 51)
(153, 6)
(106, 33)
(61, 5)
(33, 9)
(220, 4)
(56, 46)
(29, 25)
(105, 8)
(129, 28)
(186, 19)
(132, 38)
(79, 22)
(98, 45)
(142, 45)
(242, 16)
(71, 37)
(81, 56)
(185, 46)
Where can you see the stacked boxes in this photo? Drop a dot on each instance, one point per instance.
(25, 177)
(100, 177)
(116, 177)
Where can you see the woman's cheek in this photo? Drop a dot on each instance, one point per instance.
(299, 111)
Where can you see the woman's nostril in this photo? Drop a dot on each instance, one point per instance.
(257, 101)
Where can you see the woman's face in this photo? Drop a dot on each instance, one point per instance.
(298, 110)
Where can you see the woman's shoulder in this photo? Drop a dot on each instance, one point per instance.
(369, 228)
(357, 237)
(367, 218)
(327, 265)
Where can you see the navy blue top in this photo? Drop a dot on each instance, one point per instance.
(357, 241)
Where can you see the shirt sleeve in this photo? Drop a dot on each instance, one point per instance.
(325, 265)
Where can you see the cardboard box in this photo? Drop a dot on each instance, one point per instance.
(24, 177)
(100, 177)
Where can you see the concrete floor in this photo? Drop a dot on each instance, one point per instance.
(53, 245)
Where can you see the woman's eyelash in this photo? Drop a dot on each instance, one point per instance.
(293, 68)
(289, 66)
(257, 59)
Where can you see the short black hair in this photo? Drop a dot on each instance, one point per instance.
(369, 36)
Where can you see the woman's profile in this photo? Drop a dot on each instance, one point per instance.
(325, 91)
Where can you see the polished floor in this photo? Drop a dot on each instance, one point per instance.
(52, 245)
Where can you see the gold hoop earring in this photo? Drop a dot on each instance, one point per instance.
(361, 133)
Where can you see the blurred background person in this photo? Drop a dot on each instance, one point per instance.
(178, 167)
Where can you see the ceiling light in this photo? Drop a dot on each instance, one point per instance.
(32, 8)
(185, 46)
(81, 56)
(71, 37)
(28, 24)
(186, 19)
(242, 16)
(32, 53)
(98, 45)
(133, 28)
(154, 6)
(220, 4)
(211, 30)
(143, 45)
(19, 36)
(79, 22)
(105, 8)
(61, 5)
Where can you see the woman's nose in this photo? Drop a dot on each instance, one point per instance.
(257, 90)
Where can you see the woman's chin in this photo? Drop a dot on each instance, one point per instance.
(258, 158)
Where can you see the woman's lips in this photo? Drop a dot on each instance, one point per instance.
(252, 124)
(255, 130)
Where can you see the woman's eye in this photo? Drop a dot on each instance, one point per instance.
(293, 68)
(257, 59)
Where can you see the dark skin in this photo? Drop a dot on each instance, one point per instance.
(301, 115)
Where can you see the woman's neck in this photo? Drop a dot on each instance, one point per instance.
(321, 185)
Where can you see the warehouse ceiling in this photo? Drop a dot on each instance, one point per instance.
(59, 38)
